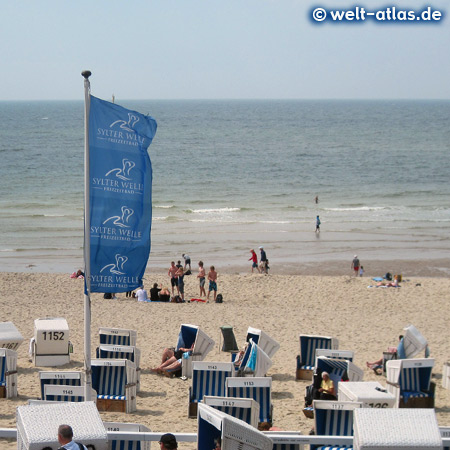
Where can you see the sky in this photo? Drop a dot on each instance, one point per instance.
(219, 49)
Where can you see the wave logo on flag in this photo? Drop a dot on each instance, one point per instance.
(120, 195)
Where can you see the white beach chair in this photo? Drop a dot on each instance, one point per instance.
(269, 345)
(337, 368)
(131, 353)
(50, 345)
(396, 429)
(255, 361)
(60, 378)
(10, 336)
(115, 383)
(370, 393)
(245, 409)
(308, 346)
(203, 344)
(117, 336)
(413, 343)
(208, 378)
(121, 444)
(409, 380)
(333, 418)
(234, 433)
(37, 425)
(259, 389)
(8, 373)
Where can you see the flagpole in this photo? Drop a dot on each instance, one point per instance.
(87, 244)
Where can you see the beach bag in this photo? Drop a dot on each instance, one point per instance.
(219, 298)
(107, 295)
(388, 276)
(188, 272)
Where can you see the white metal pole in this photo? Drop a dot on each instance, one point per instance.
(87, 242)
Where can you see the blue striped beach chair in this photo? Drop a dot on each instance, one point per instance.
(208, 378)
(257, 388)
(117, 336)
(308, 346)
(8, 373)
(203, 344)
(115, 383)
(131, 353)
(410, 382)
(58, 393)
(60, 378)
(269, 345)
(121, 444)
(336, 368)
(333, 419)
(234, 433)
(245, 409)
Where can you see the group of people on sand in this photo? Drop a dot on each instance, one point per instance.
(177, 273)
(263, 266)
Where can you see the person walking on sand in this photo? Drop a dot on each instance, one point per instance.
(317, 224)
(180, 277)
(201, 278)
(212, 278)
(355, 265)
(254, 259)
(173, 278)
(187, 261)
(263, 259)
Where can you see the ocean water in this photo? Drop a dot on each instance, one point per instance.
(233, 175)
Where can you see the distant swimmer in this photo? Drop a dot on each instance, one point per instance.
(317, 224)
(316, 199)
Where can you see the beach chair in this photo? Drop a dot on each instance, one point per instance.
(396, 429)
(234, 433)
(259, 389)
(446, 376)
(117, 336)
(50, 345)
(58, 393)
(445, 433)
(333, 418)
(10, 336)
(409, 380)
(37, 425)
(308, 346)
(255, 362)
(203, 344)
(263, 340)
(115, 383)
(336, 354)
(370, 393)
(229, 341)
(208, 378)
(245, 409)
(412, 343)
(8, 373)
(337, 368)
(131, 353)
(121, 444)
(60, 378)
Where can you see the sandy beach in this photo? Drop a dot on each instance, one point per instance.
(284, 306)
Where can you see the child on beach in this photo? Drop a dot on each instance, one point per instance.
(212, 277)
(254, 259)
(361, 271)
(201, 278)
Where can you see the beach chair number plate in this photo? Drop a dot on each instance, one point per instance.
(249, 383)
(53, 335)
(59, 376)
(378, 405)
(67, 392)
(334, 406)
(227, 403)
(212, 367)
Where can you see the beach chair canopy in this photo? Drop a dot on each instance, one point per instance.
(10, 336)
(117, 336)
(370, 393)
(308, 346)
(410, 378)
(337, 368)
(245, 409)
(269, 345)
(60, 378)
(396, 428)
(192, 334)
(8, 372)
(257, 388)
(412, 343)
(235, 434)
(255, 361)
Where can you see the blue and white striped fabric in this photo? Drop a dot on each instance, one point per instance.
(112, 339)
(335, 367)
(101, 353)
(334, 447)
(262, 395)
(3, 370)
(64, 398)
(413, 381)
(58, 382)
(208, 382)
(244, 414)
(109, 381)
(332, 422)
(286, 446)
(125, 445)
(308, 346)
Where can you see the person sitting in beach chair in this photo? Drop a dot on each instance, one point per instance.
(327, 390)
(171, 361)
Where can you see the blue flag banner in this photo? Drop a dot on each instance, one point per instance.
(120, 194)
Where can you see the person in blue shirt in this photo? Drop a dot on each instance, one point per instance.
(317, 224)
